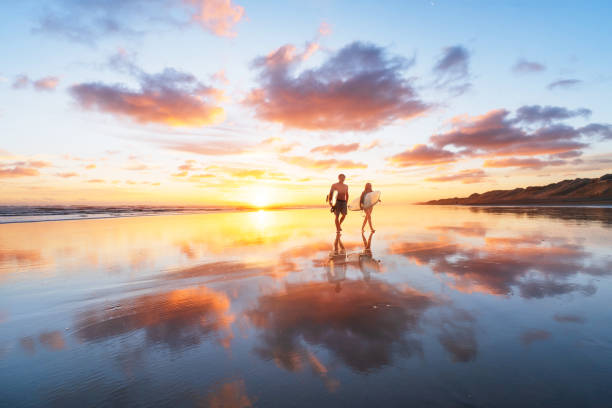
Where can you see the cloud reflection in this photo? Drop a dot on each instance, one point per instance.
(364, 326)
(179, 318)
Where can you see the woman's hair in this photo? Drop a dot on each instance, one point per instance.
(368, 187)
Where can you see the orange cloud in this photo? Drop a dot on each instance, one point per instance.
(96, 181)
(90, 166)
(217, 16)
(66, 175)
(422, 155)
(22, 168)
(322, 164)
(526, 163)
(46, 84)
(330, 149)
(468, 176)
(171, 98)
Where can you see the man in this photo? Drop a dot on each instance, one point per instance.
(341, 200)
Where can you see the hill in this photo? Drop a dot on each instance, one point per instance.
(577, 191)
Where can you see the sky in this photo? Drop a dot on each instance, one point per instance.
(231, 102)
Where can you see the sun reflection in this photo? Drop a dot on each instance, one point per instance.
(261, 219)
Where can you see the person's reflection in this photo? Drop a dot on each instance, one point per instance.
(367, 264)
(336, 264)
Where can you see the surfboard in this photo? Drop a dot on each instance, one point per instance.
(369, 200)
(332, 199)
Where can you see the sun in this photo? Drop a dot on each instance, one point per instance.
(261, 196)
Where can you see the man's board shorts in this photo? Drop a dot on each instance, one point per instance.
(340, 207)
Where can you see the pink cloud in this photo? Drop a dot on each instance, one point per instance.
(217, 16)
(171, 98)
(526, 163)
(66, 175)
(422, 155)
(358, 88)
(22, 168)
(330, 149)
(468, 176)
(46, 84)
(322, 164)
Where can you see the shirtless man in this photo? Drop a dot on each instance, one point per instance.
(341, 200)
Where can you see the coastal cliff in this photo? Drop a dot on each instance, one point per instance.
(576, 191)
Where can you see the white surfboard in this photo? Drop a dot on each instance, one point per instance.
(369, 200)
(333, 198)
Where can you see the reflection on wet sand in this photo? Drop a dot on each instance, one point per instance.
(179, 318)
(228, 395)
(586, 214)
(537, 268)
(364, 325)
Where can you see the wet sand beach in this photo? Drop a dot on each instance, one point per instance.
(442, 306)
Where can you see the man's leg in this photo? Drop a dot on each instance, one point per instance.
(341, 220)
(337, 223)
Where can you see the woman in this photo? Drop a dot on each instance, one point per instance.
(368, 211)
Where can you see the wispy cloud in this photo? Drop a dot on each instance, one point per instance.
(46, 84)
(88, 21)
(358, 88)
(325, 164)
(564, 84)
(452, 70)
(468, 176)
(423, 155)
(525, 163)
(66, 174)
(331, 149)
(523, 66)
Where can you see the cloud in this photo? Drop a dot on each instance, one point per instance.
(66, 175)
(522, 66)
(358, 88)
(212, 148)
(46, 84)
(170, 97)
(422, 155)
(547, 114)
(216, 16)
(495, 133)
(96, 181)
(468, 176)
(21, 82)
(22, 168)
(90, 166)
(597, 129)
(330, 149)
(322, 164)
(564, 84)
(526, 163)
(452, 69)
(88, 21)
(138, 167)
(325, 29)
